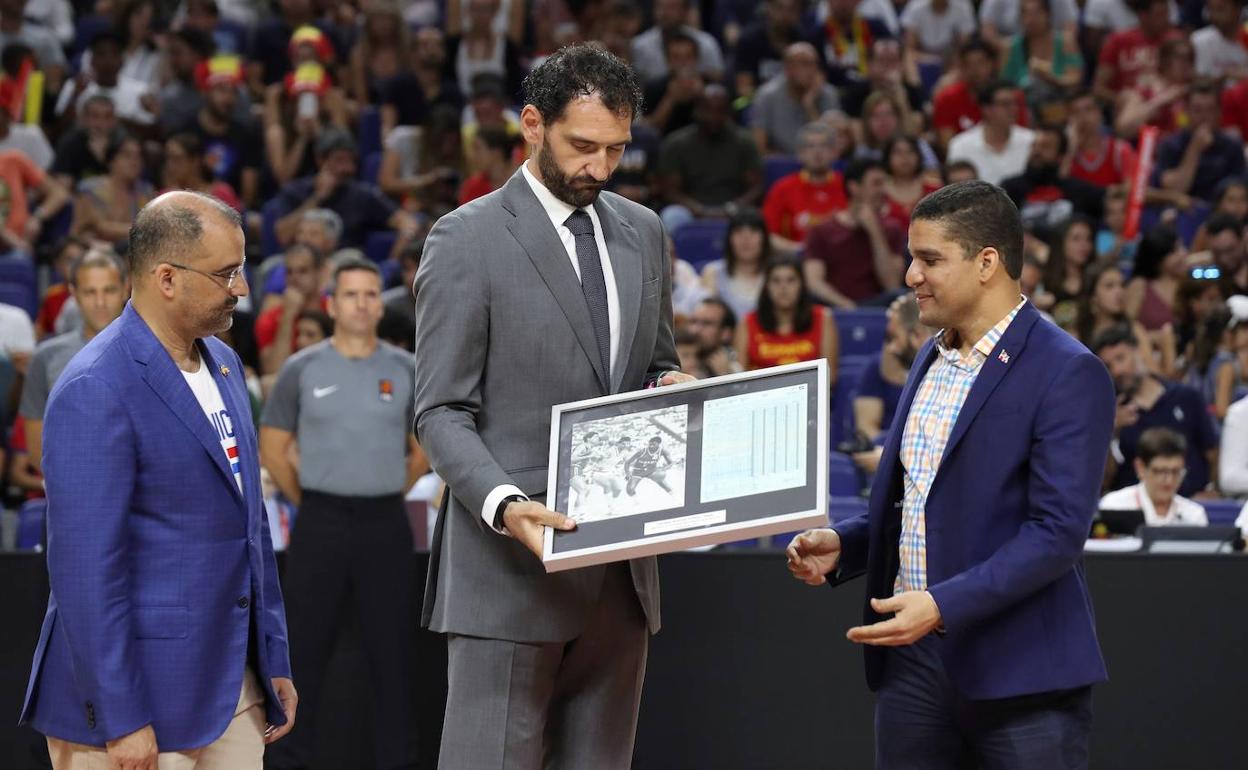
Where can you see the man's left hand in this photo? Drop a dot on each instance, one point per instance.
(916, 615)
(674, 378)
(285, 690)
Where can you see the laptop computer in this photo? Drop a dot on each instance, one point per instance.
(1183, 539)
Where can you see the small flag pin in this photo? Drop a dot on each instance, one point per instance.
(225, 370)
(1003, 357)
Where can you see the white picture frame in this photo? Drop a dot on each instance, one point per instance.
(696, 464)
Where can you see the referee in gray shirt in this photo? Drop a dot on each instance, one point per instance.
(347, 404)
(99, 285)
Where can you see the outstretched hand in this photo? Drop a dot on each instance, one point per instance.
(916, 615)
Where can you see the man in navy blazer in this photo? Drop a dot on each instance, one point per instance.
(165, 636)
(978, 629)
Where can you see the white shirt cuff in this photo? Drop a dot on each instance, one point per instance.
(493, 499)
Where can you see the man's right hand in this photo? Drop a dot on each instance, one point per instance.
(526, 520)
(136, 751)
(813, 554)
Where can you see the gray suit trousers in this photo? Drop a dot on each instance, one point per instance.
(563, 705)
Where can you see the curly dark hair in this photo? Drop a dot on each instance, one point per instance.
(582, 70)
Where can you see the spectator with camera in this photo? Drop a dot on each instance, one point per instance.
(1148, 401)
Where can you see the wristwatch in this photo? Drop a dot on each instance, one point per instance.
(502, 506)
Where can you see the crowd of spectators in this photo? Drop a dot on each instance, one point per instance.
(783, 143)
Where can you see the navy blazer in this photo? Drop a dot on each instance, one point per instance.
(1007, 516)
(158, 565)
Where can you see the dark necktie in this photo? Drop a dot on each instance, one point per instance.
(593, 284)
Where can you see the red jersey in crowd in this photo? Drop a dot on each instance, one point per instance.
(1235, 107)
(269, 320)
(474, 187)
(795, 203)
(956, 107)
(50, 309)
(1131, 53)
(900, 212)
(769, 349)
(1112, 165)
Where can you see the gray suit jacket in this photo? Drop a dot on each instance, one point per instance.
(502, 334)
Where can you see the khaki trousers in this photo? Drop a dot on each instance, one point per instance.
(240, 747)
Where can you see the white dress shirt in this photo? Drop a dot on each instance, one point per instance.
(559, 211)
(1183, 512)
(1233, 455)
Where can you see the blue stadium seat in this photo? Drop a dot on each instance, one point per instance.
(369, 131)
(378, 246)
(861, 331)
(31, 518)
(929, 75)
(1186, 223)
(389, 269)
(777, 166)
(270, 212)
(842, 418)
(85, 31)
(701, 241)
(843, 479)
(841, 508)
(370, 169)
(17, 284)
(1222, 511)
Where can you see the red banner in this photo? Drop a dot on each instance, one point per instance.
(1139, 180)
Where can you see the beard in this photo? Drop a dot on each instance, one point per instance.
(578, 191)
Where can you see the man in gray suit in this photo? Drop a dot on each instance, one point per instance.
(545, 291)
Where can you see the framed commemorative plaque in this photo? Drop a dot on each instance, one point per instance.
(700, 463)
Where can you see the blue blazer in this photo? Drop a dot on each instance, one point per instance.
(1007, 516)
(158, 565)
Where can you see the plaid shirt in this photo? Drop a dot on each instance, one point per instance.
(931, 419)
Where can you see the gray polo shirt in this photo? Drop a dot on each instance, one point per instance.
(781, 116)
(46, 365)
(351, 418)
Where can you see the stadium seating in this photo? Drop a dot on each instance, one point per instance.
(861, 330)
(370, 168)
(777, 166)
(31, 518)
(841, 508)
(701, 241)
(18, 285)
(1222, 511)
(843, 478)
(369, 131)
(378, 246)
(842, 417)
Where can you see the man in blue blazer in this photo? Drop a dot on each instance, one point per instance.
(165, 637)
(978, 629)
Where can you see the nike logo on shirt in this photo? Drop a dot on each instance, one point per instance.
(323, 392)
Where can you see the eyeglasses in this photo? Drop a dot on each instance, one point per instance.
(229, 278)
(1170, 473)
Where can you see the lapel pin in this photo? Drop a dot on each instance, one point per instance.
(225, 370)
(1003, 357)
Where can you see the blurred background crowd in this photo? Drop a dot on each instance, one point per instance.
(782, 142)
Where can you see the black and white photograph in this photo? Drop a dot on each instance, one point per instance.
(628, 464)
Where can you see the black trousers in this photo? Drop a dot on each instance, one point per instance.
(350, 561)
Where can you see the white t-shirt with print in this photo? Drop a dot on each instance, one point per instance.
(209, 397)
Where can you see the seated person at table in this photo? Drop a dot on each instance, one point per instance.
(788, 326)
(1160, 464)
